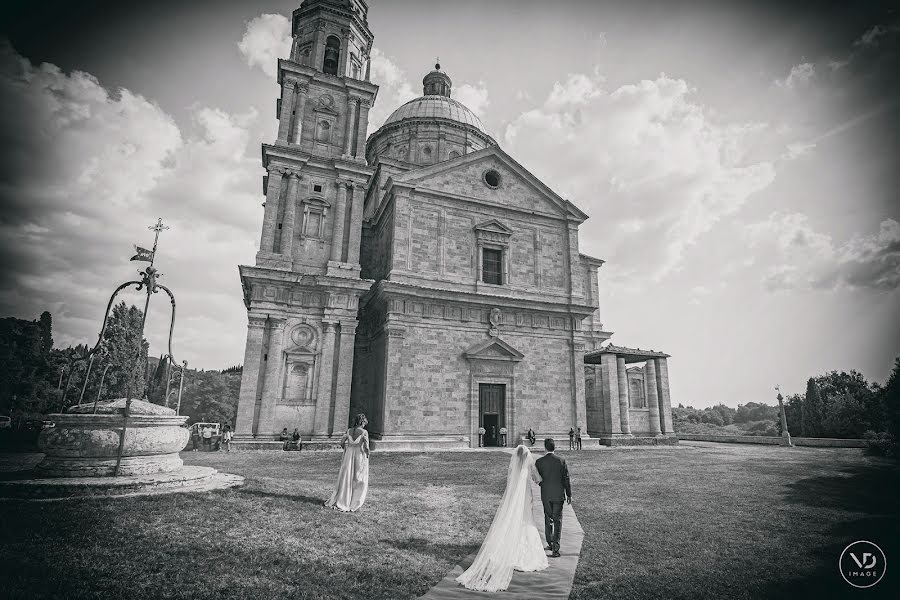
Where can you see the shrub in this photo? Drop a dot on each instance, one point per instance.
(881, 444)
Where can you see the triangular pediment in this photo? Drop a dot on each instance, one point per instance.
(493, 349)
(518, 187)
(495, 226)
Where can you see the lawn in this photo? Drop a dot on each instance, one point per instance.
(699, 521)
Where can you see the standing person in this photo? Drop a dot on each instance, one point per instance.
(571, 438)
(195, 438)
(353, 478)
(227, 434)
(530, 436)
(555, 487)
(207, 438)
(578, 438)
(512, 542)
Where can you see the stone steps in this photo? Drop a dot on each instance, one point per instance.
(186, 479)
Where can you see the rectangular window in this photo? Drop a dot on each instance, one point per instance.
(492, 266)
(311, 228)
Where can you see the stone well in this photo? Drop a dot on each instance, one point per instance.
(85, 443)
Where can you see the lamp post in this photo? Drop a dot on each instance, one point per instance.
(785, 434)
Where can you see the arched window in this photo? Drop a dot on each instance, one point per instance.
(332, 55)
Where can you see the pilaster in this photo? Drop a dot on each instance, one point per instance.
(287, 107)
(580, 406)
(356, 219)
(290, 217)
(270, 217)
(622, 371)
(302, 92)
(652, 396)
(272, 380)
(340, 216)
(325, 395)
(349, 133)
(243, 426)
(341, 414)
(362, 125)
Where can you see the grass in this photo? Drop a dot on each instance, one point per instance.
(700, 521)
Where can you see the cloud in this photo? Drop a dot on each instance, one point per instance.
(804, 258)
(394, 89)
(875, 34)
(474, 97)
(266, 39)
(799, 76)
(86, 171)
(647, 162)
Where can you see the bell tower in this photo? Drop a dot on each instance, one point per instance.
(303, 291)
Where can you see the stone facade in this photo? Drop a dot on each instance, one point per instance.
(421, 276)
(302, 294)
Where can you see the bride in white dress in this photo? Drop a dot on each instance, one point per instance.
(513, 541)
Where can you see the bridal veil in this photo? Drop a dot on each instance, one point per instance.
(512, 542)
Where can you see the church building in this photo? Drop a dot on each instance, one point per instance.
(421, 276)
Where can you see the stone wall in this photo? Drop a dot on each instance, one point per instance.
(770, 440)
(429, 381)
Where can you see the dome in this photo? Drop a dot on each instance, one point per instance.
(436, 107)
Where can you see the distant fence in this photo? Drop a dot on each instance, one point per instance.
(772, 441)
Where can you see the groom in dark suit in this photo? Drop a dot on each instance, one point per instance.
(554, 489)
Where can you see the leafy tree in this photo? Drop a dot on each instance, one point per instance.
(889, 399)
(845, 418)
(792, 410)
(46, 328)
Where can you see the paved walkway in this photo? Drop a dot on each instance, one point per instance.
(553, 583)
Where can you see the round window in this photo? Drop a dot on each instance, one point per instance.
(492, 178)
(427, 150)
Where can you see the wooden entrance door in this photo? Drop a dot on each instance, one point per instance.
(492, 401)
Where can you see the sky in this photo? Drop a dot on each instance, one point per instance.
(738, 160)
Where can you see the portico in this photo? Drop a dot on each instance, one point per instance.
(628, 406)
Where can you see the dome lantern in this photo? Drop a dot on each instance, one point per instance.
(436, 83)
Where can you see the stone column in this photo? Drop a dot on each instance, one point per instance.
(665, 401)
(622, 371)
(652, 396)
(609, 373)
(349, 132)
(270, 218)
(243, 426)
(300, 113)
(326, 375)
(580, 405)
(356, 219)
(272, 381)
(361, 132)
(337, 235)
(341, 419)
(287, 107)
(290, 210)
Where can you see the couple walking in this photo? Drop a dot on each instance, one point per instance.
(513, 541)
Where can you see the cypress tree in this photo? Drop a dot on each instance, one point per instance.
(811, 410)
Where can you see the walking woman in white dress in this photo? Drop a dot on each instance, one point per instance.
(513, 541)
(353, 478)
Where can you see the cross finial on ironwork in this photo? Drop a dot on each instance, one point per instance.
(157, 227)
